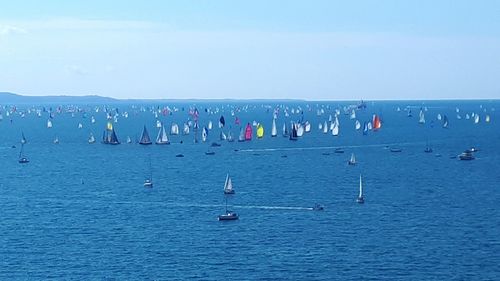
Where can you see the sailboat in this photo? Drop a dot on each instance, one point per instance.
(445, 122)
(228, 185)
(148, 182)
(22, 158)
(23, 139)
(204, 134)
(145, 139)
(285, 130)
(56, 140)
(174, 129)
(260, 131)
(241, 137)
(228, 215)
(91, 138)
(361, 198)
(376, 122)
(230, 136)
(421, 119)
(109, 135)
(274, 131)
(428, 148)
(49, 123)
(293, 134)
(248, 132)
(352, 161)
(162, 137)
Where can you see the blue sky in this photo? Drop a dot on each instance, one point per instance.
(322, 50)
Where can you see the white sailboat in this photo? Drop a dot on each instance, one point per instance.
(91, 138)
(421, 119)
(361, 198)
(274, 131)
(162, 137)
(352, 161)
(228, 185)
(174, 129)
(325, 128)
(357, 125)
(185, 131)
(49, 123)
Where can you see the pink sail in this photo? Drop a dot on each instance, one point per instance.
(248, 132)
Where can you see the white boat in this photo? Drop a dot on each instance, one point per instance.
(228, 215)
(352, 161)
(158, 124)
(421, 119)
(185, 130)
(487, 119)
(148, 182)
(357, 125)
(228, 185)
(274, 131)
(204, 134)
(476, 119)
(361, 198)
(80, 125)
(335, 129)
(162, 137)
(174, 129)
(49, 123)
(91, 138)
(325, 128)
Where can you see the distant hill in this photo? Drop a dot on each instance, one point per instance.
(11, 98)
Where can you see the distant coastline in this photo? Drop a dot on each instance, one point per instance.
(13, 98)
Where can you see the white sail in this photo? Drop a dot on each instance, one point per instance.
(360, 187)
(92, 119)
(274, 131)
(487, 119)
(325, 128)
(353, 114)
(228, 185)
(320, 126)
(80, 125)
(162, 137)
(158, 124)
(174, 129)
(476, 119)
(353, 159)
(49, 123)
(210, 125)
(439, 117)
(335, 130)
(300, 130)
(307, 127)
(91, 138)
(370, 126)
(185, 131)
(358, 125)
(204, 134)
(421, 119)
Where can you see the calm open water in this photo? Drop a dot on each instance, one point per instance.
(80, 211)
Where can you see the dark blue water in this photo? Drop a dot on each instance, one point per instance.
(80, 211)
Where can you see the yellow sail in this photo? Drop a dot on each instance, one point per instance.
(110, 126)
(260, 131)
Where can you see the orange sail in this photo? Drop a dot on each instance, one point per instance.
(376, 122)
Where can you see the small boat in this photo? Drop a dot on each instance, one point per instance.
(428, 148)
(228, 215)
(179, 155)
(209, 153)
(466, 155)
(214, 144)
(395, 149)
(339, 150)
(148, 182)
(317, 207)
(361, 198)
(56, 140)
(228, 185)
(274, 131)
(91, 138)
(352, 161)
(22, 158)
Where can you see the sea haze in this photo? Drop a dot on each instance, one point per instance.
(79, 210)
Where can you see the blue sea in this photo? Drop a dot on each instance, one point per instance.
(80, 211)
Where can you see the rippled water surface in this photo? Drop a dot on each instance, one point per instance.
(80, 211)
